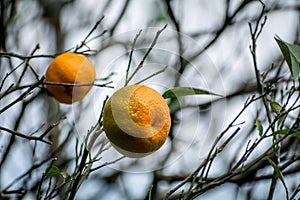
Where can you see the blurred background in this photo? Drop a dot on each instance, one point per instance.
(207, 44)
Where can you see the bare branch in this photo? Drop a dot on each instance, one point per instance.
(24, 136)
(140, 65)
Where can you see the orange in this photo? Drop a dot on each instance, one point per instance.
(70, 68)
(136, 120)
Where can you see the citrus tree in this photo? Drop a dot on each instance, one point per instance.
(149, 99)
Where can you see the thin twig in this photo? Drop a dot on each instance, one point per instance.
(7, 75)
(24, 136)
(140, 65)
(297, 190)
(108, 163)
(25, 57)
(122, 12)
(152, 75)
(32, 168)
(27, 65)
(78, 84)
(85, 41)
(130, 55)
(179, 36)
(22, 96)
(96, 132)
(13, 88)
(210, 154)
(51, 127)
(43, 178)
(79, 172)
(255, 33)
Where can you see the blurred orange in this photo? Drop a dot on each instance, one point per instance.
(70, 68)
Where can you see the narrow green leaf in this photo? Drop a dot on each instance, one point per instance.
(295, 67)
(175, 105)
(150, 192)
(295, 50)
(185, 91)
(53, 171)
(296, 134)
(281, 119)
(282, 132)
(291, 54)
(276, 168)
(276, 107)
(284, 50)
(278, 173)
(287, 131)
(259, 127)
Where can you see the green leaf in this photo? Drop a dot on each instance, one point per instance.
(53, 170)
(185, 91)
(281, 119)
(175, 105)
(278, 173)
(259, 127)
(284, 50)
(294, 50)
(64, 174)
(291, 54)
(276, 107)
(276, 168)
(287, 131)
(295, 67)
(150, 192)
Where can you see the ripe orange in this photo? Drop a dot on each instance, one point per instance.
(136, 120)
(70, 68)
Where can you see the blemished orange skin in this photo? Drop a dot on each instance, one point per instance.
(70, 68)
(149, 119)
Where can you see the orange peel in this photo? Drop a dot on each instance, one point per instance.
(136, 120)
(70, 68)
